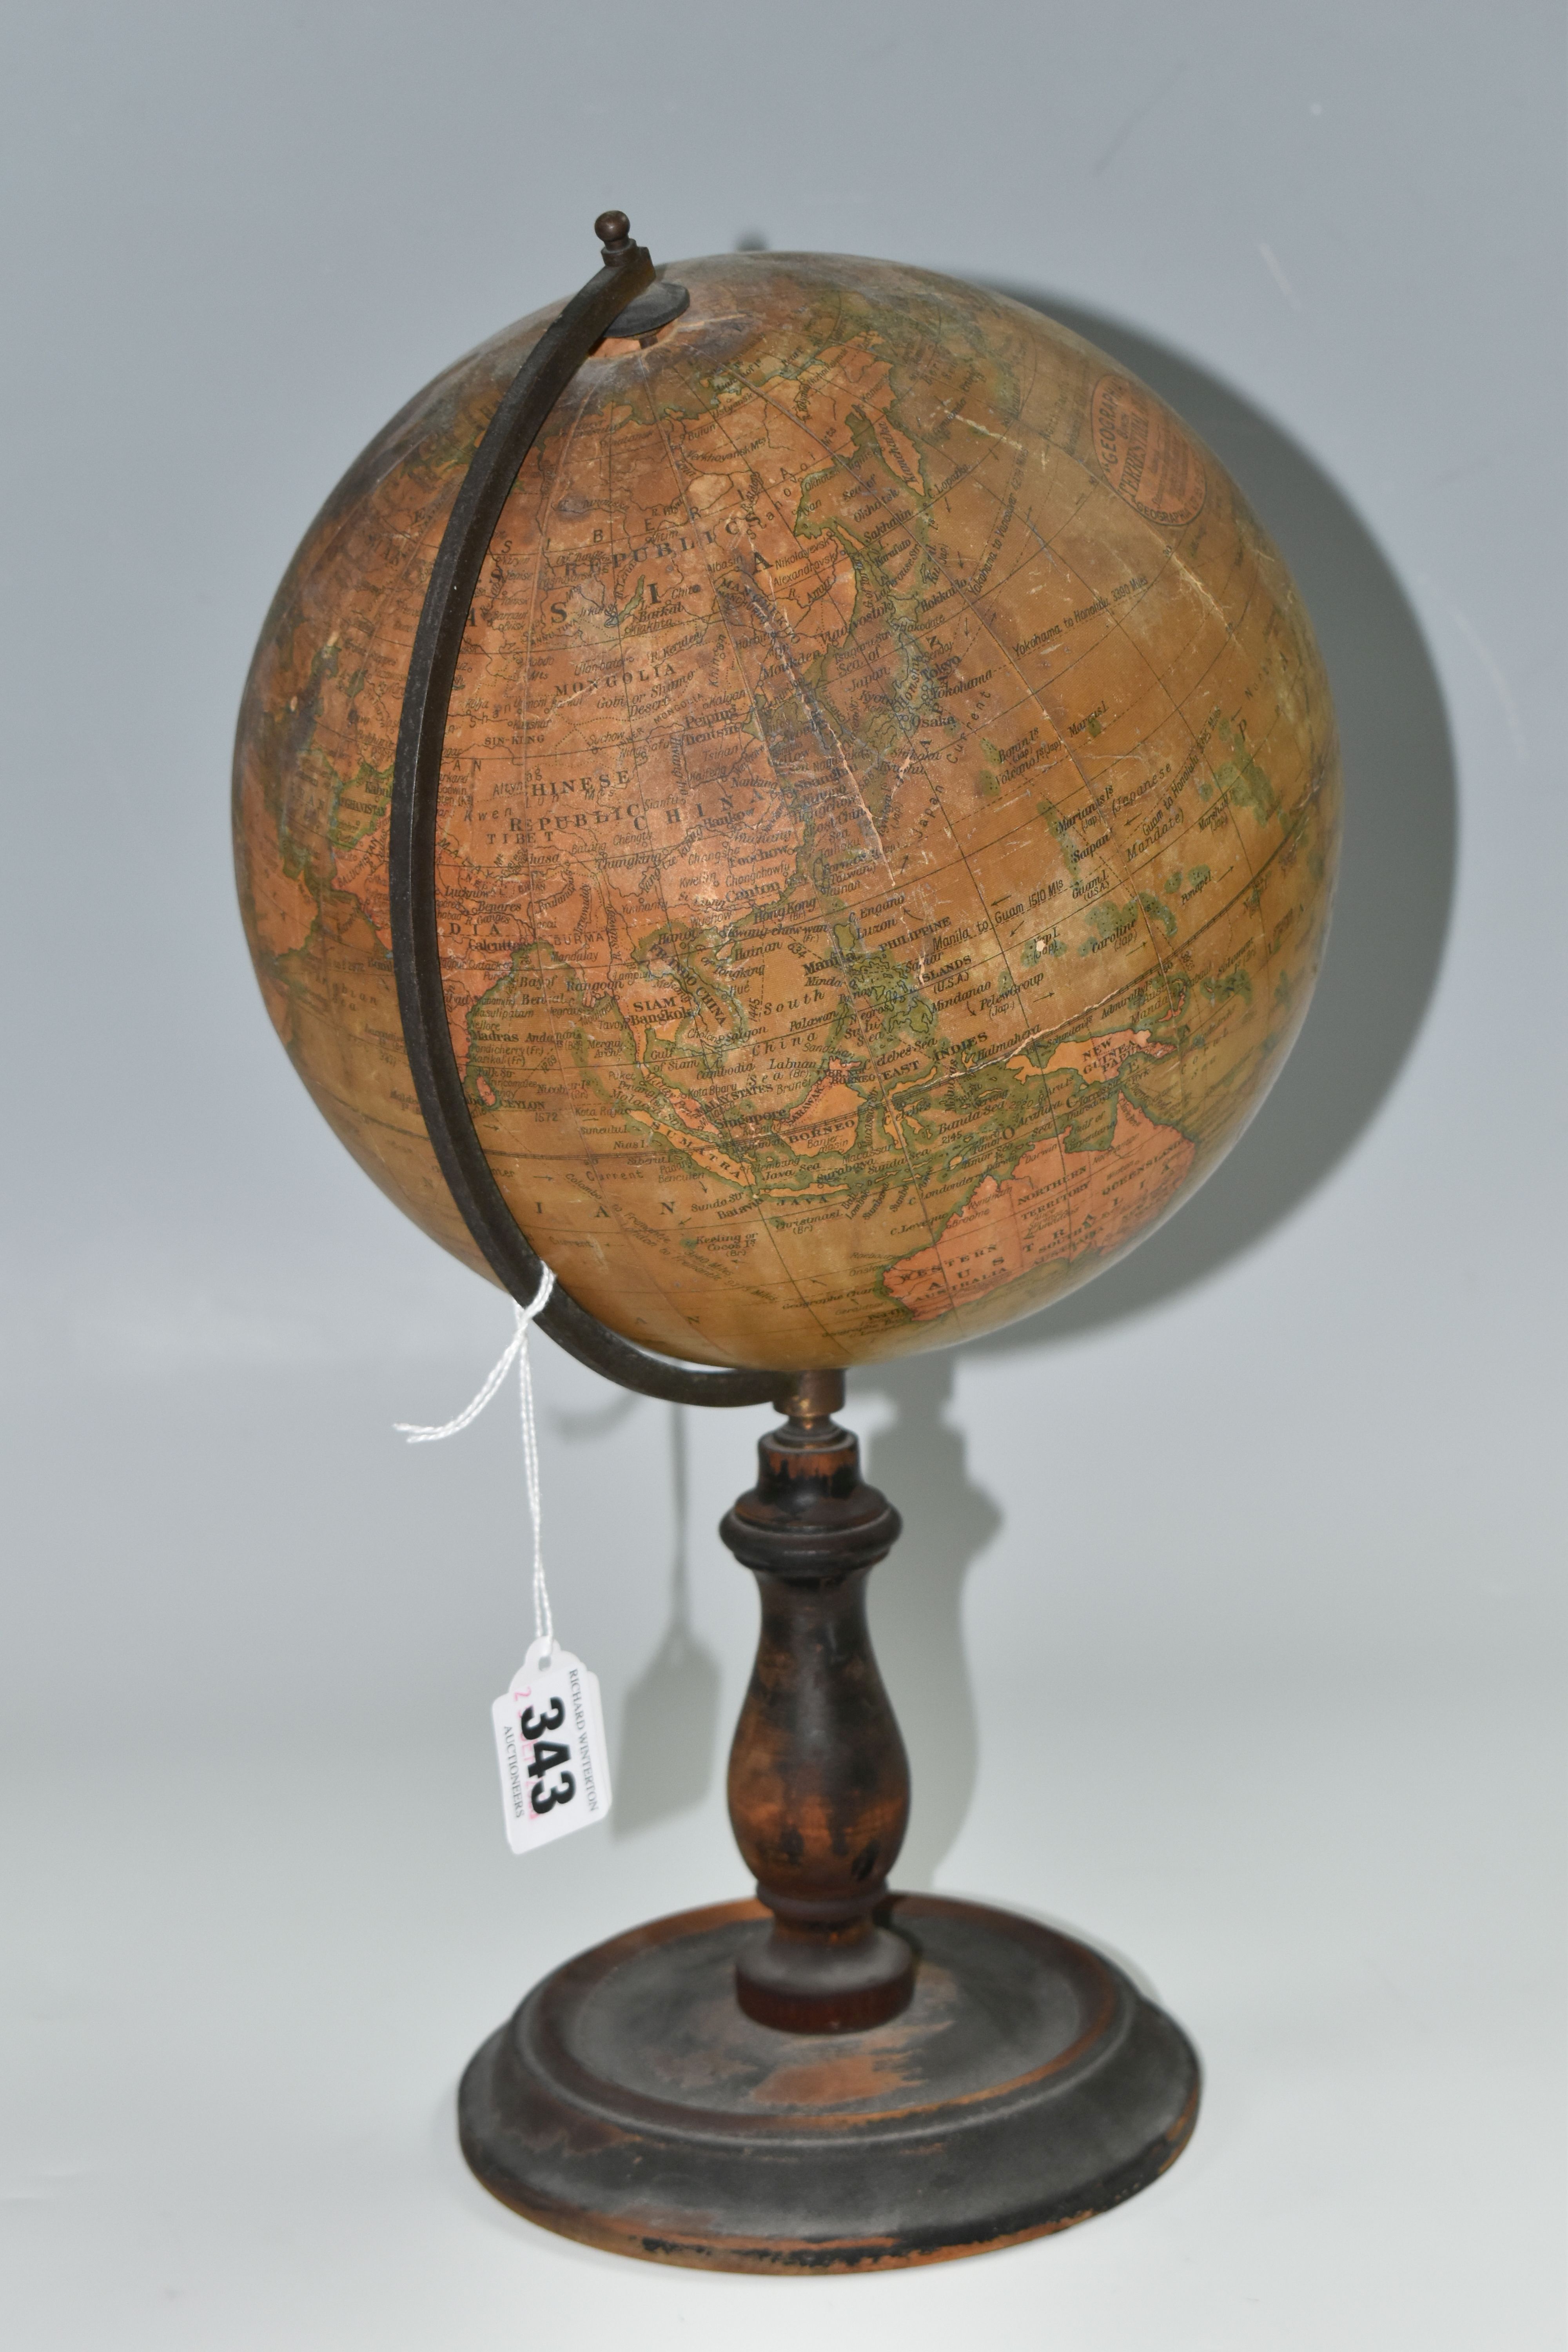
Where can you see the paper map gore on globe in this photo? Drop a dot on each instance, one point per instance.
(887, 825)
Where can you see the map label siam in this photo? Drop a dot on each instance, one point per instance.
(795, 793)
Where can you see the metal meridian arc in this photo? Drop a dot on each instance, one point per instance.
(415, 941)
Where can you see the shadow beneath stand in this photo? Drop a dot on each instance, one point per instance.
(671, 1719)
(917, 1599)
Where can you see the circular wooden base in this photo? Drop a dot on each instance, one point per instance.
(632, 2104)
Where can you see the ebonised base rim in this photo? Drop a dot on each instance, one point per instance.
(630, 2104)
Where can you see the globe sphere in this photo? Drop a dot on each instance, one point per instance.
(887, 824)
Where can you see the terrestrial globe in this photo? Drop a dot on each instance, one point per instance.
(887, 822)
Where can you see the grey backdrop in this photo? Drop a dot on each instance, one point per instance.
(1227, 1628)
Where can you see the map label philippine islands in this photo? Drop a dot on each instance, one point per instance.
(1057, 1205)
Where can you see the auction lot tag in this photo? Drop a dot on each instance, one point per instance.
(550, 1744)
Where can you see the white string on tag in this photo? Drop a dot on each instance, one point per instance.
(517, 1353)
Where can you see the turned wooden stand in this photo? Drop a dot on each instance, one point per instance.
(833, 2077)
(819, 1782)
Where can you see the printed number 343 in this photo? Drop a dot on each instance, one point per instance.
(549, 1756)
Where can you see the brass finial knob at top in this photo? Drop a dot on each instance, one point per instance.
(657, 305)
